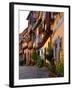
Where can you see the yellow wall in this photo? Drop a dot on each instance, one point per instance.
(60, 33)
(46, 44)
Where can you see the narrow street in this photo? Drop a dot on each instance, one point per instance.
(28, 72)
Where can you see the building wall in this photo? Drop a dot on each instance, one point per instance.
(46, 44)
(44, 49)
(60, 33)
(27, 55)
(58, 30)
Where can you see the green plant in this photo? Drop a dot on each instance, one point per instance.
(35, 56)
(37, 59)
(40, 62)
(60, 68)
(49, 66)
(21, 63)
(52, 67)
(49, 56)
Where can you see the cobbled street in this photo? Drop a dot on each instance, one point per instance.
(28, 72)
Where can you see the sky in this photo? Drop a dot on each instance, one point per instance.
(23, 23)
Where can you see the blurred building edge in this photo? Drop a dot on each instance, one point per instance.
(43, 28)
